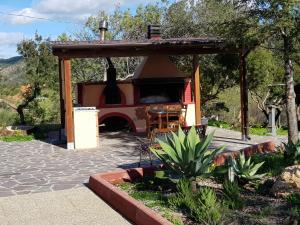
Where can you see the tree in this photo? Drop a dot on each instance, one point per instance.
(274, 24)
(265, 77)
(40, 71)
(281, 21)
(200, 19)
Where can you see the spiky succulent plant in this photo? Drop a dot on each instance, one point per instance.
(243, 168)
(187, 155)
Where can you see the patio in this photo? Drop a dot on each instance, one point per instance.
(36, 166)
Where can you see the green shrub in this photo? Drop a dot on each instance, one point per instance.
(232, 195)
(243, 169)
(7, 117)
(201, 206)
(187, 155)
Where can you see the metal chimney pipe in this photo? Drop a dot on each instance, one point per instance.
(103, 26)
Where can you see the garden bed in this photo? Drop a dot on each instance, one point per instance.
(110, 187)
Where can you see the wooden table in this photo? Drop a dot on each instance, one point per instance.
(162, 114)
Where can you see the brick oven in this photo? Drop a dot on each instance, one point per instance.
(156, 81)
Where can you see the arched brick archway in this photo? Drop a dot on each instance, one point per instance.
(121, 115)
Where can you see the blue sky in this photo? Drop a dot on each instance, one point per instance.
(14, 28)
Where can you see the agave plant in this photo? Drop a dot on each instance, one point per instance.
(243, 169)
(187, 155)
(292, 151)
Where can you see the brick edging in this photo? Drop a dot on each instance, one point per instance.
(264, 147)
(133, 210)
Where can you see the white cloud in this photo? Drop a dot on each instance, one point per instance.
(10, 38)
(7, 51)
(19, 19)
(67, 9)
(8, 42)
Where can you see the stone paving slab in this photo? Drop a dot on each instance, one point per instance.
(72, 207)
(36, 166)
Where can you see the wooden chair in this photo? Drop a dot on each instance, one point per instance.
(143, 148)
(152, 122)
(200, 129)
(173, 118)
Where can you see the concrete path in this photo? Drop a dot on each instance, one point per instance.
(36, 166)
(69, 207)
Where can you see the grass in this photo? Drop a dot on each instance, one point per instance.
(262, 131)
(17, 138)
(219, 123)
(153, 199)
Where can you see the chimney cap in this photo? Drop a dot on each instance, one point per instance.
(154, 31)
(103, 25)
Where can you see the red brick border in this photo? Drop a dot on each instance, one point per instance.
(104, 186)
(133, 210)
(264, 147)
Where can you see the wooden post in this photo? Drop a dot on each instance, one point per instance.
(244, 98)
(197, 91)
(62, 104)
(69, 128)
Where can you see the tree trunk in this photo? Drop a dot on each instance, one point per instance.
(36, 91)
(290, 94)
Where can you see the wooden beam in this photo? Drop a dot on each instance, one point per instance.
(197, 90)
(244, 98)
(68, 103)
(134, 51)
(61, 98)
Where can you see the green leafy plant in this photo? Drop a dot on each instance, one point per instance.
(208, 209)
(244, 169)
(294, 199)
(187, 155)
(202, 206)
(232, 196)
(292, 151)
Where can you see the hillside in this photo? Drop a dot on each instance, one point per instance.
(11, 75)
(10, 61)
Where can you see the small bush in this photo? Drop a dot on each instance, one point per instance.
(201, 206)
(232, 195)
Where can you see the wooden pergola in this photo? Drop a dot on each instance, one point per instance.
(181, 46)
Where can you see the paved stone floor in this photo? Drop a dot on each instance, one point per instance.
(77, 206)
(37, 166)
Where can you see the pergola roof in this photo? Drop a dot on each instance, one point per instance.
(122, 48)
